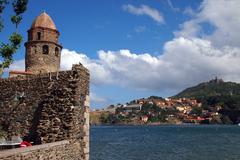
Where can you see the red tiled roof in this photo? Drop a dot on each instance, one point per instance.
(45, 21)
(20, 72)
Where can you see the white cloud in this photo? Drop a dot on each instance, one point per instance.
(184, 62)
(175, 9)
(98, 73)
(94, 98)
(188, 29)
(189, 11)
(222, 15)
(225, 16)
(145, 10)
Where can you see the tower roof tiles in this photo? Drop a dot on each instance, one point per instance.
(45, 21)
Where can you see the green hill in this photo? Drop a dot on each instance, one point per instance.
(216, 87)
(217, 93)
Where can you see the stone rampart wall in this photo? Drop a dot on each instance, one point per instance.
(61, 150)
(47, 107)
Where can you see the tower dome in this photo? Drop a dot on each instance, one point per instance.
(44, 21)
(43, 51)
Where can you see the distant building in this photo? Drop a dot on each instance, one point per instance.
(184, 109)
(144, 119)
(131, 108)
(216, 80)
(111, 109)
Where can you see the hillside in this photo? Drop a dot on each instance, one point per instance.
(217, 93)
(216, 87)
(213, 102)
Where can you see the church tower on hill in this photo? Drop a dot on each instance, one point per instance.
(43, 51)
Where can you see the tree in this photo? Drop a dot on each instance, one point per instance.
(8, 49)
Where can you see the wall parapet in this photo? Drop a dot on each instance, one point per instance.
(18, 151)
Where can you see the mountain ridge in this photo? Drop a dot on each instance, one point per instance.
(215, 87)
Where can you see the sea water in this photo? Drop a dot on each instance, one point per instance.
(165, 142)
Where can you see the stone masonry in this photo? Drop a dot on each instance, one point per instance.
(43, 104)
(61, 150)
(43, 51)
(48, 107)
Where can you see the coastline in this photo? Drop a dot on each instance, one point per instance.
(159, 124)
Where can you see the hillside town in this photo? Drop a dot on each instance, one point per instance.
(157, 110)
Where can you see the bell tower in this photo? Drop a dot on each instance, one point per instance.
(43, 51)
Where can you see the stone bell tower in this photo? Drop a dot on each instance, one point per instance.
(43, 52)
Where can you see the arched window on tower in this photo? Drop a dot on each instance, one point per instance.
(45, 49)
(56, 51)
(38, 35)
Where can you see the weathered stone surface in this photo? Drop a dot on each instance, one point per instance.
(47, 109)
(43, 51)
(62, 150)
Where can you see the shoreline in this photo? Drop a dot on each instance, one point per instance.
(164, 124)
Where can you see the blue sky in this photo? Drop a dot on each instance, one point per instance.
(89, 26)
(140, 48)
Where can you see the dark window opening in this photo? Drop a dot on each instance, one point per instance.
(45, 49)
(38, 35)
(34, 49)
(56, 51)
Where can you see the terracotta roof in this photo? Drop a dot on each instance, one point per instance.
(20, 72)
(45, 21)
